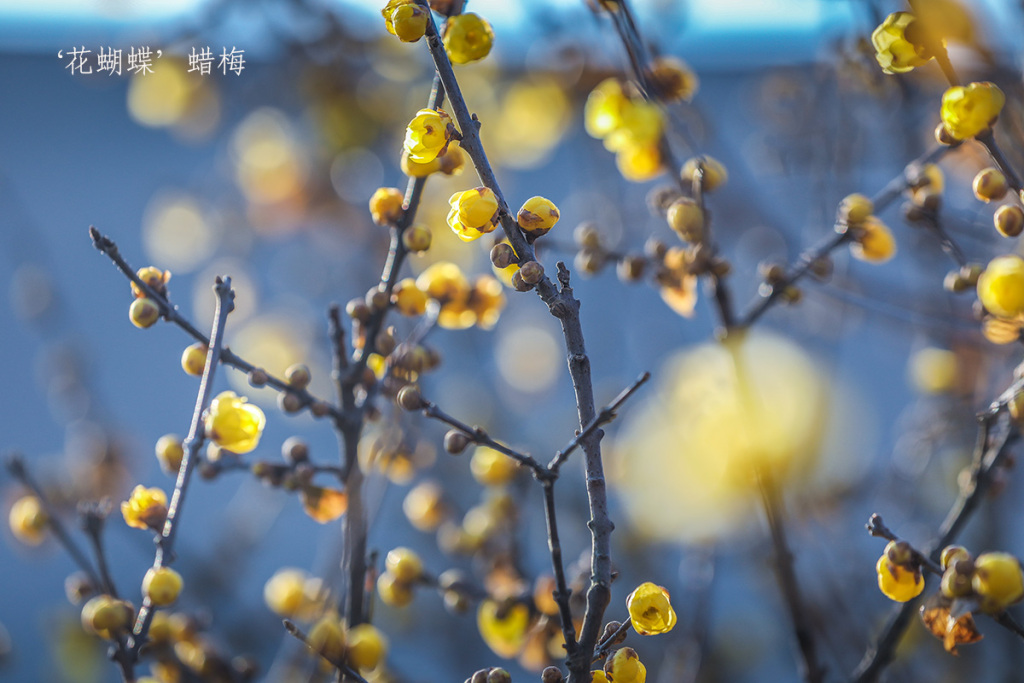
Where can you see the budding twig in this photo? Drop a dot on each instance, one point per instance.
(107, 246)
(344, 668)
(195, 439)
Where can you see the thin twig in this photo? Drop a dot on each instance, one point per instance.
(107, 246)
(93, 518)
(195, 439)
(341, 666)
(562, 593)
(988, 139)
(563, 306)
(479, 436)
(16, 466)
(606, 415)
(810, 669)
(989, 452)
(608, 643)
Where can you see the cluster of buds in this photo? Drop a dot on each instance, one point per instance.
(403, 569)
(145, 311)
(362, 647)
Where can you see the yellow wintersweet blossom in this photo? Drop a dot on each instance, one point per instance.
(426, 136)
(445, 283)
(899, 43)
(629, 126)
(473, 213)
(650, 609)
(467, 38)
(234, 424)
(685, 462)
(28, 520)
(1001, 286)
(145, 508)
(969, 110)
(897, 582)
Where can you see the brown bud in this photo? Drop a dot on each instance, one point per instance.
(376, 299)
(655, 249)
(386, 342)
(943, 136)
(417, 238)
(294, 450)
(502, 255)
(499, 676)
(258, 377)
(587, 236)
(552, 674)
(455, 441)
(289, 402)
(319, 409)
(410, 398)
(631, 268)
(298, 376)
(609, 629)
(518, 283)
(532, 272)
(358, 310)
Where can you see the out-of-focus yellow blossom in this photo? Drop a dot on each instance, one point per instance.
(284, 593)
(678, 287)
(503, 627)
(473, 213)
(162, 585)
(233, 423)
(639, 163)
(28, 520)
(998, 581)
(874, 242)
(486, 300)
(323, 504)
(409, 299)
(427, 136)
(650, 609)
(447, 284)
(899, 43)
(467, 38)
(673, 79)
(685, 462)
(386, 205)
(1001, 286)
(367, 646)
(971, 109)
(145, 508)
(605, 107)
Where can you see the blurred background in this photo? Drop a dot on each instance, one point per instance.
(264, 174)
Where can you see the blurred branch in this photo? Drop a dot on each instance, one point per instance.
(810, 670)
(344, 668)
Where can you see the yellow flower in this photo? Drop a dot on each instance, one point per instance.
(639, 163)
(467, 38)
(895, 51)
(327, 637)
(473, 213)
(284, 592)
(625, 667)
(969, 110)
(409, 299)
(1001, 286)
(427, 135)
(154, 277)
(145, 508)
(603, 111)
(366, 646)
(491, 467)
(641, 124)
(386, 205)
(234, 424)
(447, 284)
(415, 169)
(486, 300)
(874, 243)
(28, 520)
(504, 629)
(538, 215)
(897, 582)
(408, 21)
(162, 585)
(649, 610)
(715, 173)
(998, 580)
